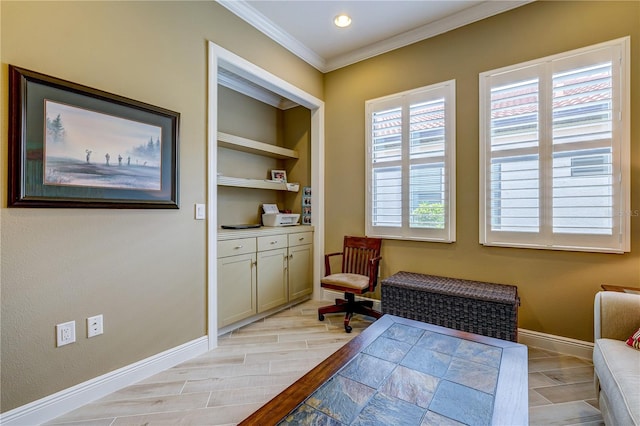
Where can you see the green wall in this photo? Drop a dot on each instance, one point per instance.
(556, 288)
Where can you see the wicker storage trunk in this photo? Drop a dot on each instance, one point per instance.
(477, 307)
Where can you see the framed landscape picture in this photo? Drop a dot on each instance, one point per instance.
(74, 146)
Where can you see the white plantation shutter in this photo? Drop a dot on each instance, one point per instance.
(554, 147)
(411, 164)
(514, 176)
(386, 154)
(582, 111)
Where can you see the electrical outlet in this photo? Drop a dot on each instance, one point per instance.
(94, 326)
(65, 333)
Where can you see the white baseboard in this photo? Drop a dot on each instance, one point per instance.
(52, 406)
(563, 345)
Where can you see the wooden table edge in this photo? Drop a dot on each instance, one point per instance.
(282, 404)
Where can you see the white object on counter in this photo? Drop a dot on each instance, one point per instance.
(280, 219)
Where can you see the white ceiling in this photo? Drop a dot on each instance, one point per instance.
(306, 28)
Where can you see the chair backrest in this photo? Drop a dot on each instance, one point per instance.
(357, 255)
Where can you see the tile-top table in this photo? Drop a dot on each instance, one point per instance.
(404, 372)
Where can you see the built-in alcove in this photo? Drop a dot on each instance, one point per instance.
(253, 139)
(257, 123)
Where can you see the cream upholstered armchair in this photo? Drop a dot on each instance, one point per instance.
(616, 364)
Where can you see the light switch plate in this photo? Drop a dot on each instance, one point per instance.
(201, 211)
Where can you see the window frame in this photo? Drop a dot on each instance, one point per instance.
(545, 238)
(404, 100)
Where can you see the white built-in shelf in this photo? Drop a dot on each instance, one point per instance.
(256, 183)
(239, 143)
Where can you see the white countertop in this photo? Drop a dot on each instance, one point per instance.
(230, 234)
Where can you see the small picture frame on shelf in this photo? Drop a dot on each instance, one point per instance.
(279, 175)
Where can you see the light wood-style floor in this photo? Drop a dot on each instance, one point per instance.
(255, 363)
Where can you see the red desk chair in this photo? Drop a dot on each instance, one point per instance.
(360, 262)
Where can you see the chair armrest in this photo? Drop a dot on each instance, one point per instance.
(616, 315)
(327, 263)
(374, 263)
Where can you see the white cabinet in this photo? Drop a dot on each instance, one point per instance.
(272, 272)
(300, 264)
(236, 246)
(272, 279)
(236, 288)
(258, 274)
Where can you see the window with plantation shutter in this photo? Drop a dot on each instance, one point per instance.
(554, 152)
(411, 164)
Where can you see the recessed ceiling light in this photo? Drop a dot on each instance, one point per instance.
(342, 21)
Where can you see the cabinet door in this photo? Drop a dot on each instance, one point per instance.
(236, 288)
(272, 279)
(300, 271)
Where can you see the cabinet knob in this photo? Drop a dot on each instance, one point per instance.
(274, 242)
(301, 239)
(237, 247)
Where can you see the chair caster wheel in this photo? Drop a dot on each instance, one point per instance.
(348, 328)
(321, 317)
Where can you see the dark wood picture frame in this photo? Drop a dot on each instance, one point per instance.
(73, 146)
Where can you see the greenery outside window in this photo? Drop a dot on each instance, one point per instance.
(410, 164)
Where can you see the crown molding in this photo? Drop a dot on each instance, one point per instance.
(476, 13)
(441, 26)
(257, 20)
